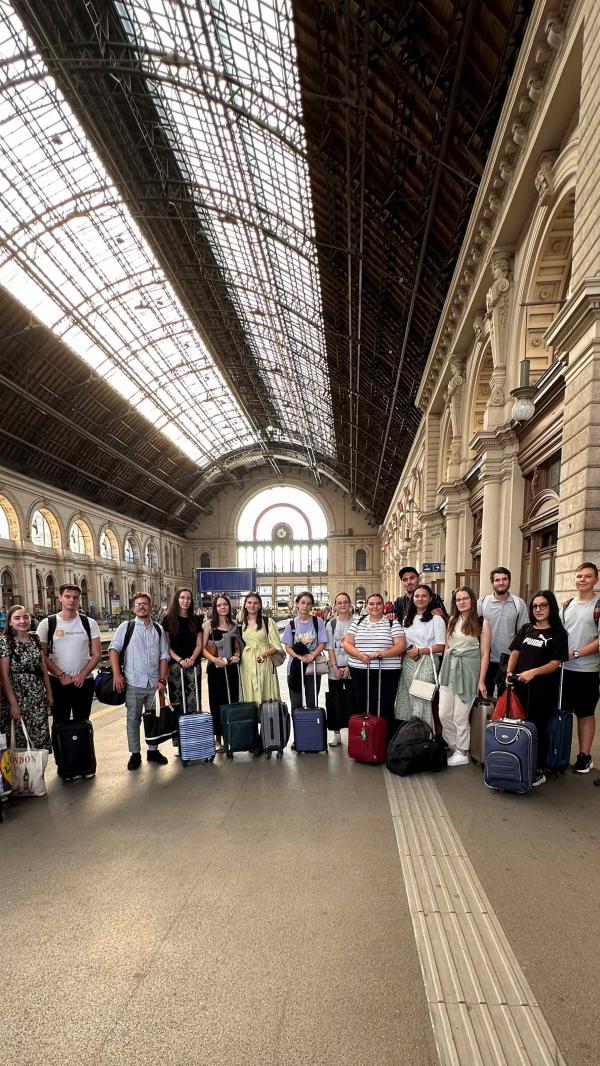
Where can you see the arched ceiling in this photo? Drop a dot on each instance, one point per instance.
(227, 232)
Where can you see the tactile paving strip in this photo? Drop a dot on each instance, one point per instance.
(482, 1009)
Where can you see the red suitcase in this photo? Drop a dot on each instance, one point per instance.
(367, 733)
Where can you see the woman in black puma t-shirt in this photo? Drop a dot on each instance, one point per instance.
(536, 653)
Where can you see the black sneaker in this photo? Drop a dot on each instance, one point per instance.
(135, 761)
(154, 755)
(539, 778)
(583, 764)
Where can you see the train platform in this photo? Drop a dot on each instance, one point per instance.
(307, 910)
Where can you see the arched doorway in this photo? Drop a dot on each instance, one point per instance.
(51, 594)
(8, 589)
(84, 594)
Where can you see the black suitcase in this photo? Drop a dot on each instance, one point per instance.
(73, 744)
(239, 724)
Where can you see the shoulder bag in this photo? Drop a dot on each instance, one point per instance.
(424, 690)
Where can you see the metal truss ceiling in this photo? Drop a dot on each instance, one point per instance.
(237, 219)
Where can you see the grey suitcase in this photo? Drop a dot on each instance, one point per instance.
(481, 715)
(274, 721)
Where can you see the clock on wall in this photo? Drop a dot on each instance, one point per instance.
(282, 532)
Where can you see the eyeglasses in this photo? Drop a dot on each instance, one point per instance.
(540, 606)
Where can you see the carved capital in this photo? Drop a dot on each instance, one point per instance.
(555, 32)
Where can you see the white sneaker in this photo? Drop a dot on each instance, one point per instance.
(458, 759)
(337, 740)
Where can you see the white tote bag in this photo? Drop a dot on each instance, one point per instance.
(424, 690)
(27, 766)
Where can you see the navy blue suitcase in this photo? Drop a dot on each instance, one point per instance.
(560, 736)
(196, 731)
(510, 755)
(310, 724)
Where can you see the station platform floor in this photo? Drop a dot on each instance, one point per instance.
(307, 910)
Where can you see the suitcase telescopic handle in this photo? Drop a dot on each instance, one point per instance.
(183, 695)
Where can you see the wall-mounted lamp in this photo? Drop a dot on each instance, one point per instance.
(523, 407)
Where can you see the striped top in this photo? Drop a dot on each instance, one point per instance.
(375, 636)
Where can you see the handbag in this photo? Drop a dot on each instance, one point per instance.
(322, 664)
(160, 723)
(424, 690)
(508, 706)
(277, 657)
(103, 688)
(211, 648)
(27, 766)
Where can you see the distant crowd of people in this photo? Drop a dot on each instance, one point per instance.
(371, 659)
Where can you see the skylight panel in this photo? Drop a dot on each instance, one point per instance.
(236, 131)
(72, 254)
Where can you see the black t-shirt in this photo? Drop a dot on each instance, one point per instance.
(184, 643)
(536, 648)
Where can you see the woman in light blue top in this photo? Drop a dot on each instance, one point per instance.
(304, 638)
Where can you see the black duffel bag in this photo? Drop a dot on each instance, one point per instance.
(103, 688)
(413, 748)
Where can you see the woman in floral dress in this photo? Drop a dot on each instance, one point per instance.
(27, 695)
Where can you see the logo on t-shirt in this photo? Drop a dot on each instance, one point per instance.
(538, 642)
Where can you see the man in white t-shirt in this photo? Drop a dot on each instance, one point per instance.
(506, 613)
(72, 649)
(581, 619)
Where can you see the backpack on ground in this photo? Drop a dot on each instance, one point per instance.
(413, 748)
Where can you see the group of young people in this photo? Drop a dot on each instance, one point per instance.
(374, 662)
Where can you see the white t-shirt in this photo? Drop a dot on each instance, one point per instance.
(423, 634)
(70, 647)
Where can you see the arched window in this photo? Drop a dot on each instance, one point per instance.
(4, 526)
(360, 562)
(39, 590)
(7, 583)
(77, 539)
(151, 555)
(131, 594)
(128, 552)
(205, 559)
(106, 551)
(168, 558)
(40, 531)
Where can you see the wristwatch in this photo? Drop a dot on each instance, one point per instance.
(576, 655)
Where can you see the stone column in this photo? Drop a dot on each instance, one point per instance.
(451, 561)
(490, 533)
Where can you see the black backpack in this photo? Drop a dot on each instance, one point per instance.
(413, 748)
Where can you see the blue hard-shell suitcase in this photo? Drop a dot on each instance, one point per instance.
(560, 736)
(310, 724)
(510, 755)
(196, 731)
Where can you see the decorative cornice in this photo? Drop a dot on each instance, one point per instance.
(545, 40)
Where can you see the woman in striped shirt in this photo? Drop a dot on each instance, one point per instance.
(374, 643)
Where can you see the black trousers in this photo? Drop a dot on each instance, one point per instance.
(490, 680)
(71, 700)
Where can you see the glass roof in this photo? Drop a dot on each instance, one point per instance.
(71, 252)
(224, 78)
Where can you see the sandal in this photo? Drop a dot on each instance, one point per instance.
(220, 750)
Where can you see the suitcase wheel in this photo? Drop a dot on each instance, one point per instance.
(229, 755)
(88, 777)
(280, 753)
(185, 762)
(268, 754)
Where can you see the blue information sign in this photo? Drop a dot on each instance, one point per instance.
(432, 568)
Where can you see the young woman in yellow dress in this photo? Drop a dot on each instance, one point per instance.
(261, 642)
